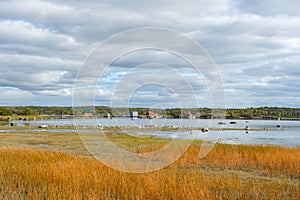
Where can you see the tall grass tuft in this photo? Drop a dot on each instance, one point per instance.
(228, 172)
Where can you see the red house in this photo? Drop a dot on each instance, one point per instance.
(151, 115)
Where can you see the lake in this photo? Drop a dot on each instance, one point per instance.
(271, 132)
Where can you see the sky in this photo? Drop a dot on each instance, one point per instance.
(254, 46)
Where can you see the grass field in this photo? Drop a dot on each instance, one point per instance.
(56, 166)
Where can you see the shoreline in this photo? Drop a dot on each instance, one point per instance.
(143, 128)
(241, 135)
(68, 138)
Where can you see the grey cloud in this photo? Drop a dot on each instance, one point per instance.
(256, 45)
(270, 7)
(19, 96)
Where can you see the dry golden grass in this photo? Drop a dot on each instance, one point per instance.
(228, 172)
(266, 160)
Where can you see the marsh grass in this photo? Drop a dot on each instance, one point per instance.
(55, 165)
(227, 172)
(265, 160)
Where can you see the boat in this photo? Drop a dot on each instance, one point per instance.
(43, 126)
(204, 129)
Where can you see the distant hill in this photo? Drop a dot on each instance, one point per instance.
(204, 113)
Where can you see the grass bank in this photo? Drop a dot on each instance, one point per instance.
(227, 172)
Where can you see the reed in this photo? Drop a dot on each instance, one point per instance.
(228, 172)
(266, 160)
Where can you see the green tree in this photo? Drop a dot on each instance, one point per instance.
(5, 111)
(26, 111)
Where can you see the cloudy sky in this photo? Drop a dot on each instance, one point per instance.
(254, 44)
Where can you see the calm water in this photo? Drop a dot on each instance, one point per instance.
(280, 138)
(288, 134)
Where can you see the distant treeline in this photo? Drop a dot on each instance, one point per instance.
(204, 113)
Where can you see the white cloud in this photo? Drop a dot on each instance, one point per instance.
(12, 96)
(22, 37)
(256, 45)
